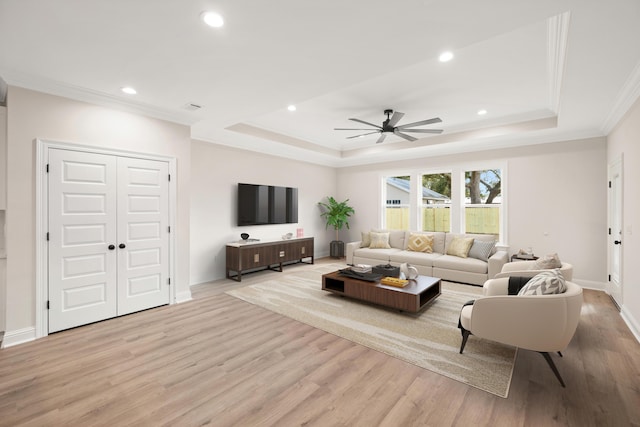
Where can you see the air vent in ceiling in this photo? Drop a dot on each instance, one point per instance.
(192, 107)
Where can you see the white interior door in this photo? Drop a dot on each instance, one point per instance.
(143, 234)
(82, 225)
(615, 231)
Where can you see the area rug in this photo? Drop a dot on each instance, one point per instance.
(429, 339)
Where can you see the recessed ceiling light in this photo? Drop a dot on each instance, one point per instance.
(482, 112)
(129, 90)
(291, 108)
(212, 19)
(446, 56)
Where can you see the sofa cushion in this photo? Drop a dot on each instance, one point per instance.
(365, 241)
(414, 258)
(548, 262)
(481, 250)
(460, 246)
(545, 283)
(419, 242)
(381, 254)
(456, 263)
(379, 240)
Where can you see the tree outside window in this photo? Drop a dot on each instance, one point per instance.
(483, 201)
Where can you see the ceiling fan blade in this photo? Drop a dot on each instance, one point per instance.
(350, 129)
(358, 136)
(423, 130)
(421, 123)
(404, 135)
(366, 123)
(395, 118)
(382, 137)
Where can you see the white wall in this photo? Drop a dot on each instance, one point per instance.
(625, 140)
(216, 171)
(34, 115)
(555, 197)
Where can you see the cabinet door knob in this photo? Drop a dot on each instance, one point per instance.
(122, 246)
(112, 247)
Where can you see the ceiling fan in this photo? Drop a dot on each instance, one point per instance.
(389, 126)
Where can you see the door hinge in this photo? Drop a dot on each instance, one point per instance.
(47, 236)
(609, 184)
(169, 177)
(47, 305)
(169, 229)
(609, 231)
(47, 167)
(169, 281)
(609, 277)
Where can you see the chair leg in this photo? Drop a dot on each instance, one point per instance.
(552, 365)
(465, 336)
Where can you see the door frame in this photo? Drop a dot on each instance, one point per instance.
(42, 195)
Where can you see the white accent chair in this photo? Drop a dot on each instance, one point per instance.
(525, 269)
(542, 323)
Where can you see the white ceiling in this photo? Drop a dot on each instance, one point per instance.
(545, 70)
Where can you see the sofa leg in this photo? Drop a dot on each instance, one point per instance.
(465, 336)
(552, 365)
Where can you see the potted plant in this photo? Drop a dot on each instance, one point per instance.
(337, 216)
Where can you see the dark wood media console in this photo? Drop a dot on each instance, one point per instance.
(242, 257)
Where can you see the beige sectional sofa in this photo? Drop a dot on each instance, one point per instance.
(436, 264)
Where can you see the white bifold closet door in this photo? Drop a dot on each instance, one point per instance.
(108, 236)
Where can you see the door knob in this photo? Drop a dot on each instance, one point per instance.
(617, 242)
(112, 247)
(122, 246)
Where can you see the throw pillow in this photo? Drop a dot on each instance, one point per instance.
(365, 241)
(420, 243)
(481, 249)
(545, 283)
(460, 246)
(548, 262)
(379, 240)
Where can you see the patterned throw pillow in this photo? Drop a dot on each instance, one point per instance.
(481, 249)
(548, 262)
(365, 241)
(420, 243)
(460, 246)
(379, 240)
(545, 283)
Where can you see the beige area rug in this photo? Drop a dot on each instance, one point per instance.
(429, 339)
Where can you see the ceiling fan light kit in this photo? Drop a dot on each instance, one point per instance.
(389, 126)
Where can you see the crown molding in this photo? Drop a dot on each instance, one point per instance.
(557, 36)
(95, 97)
(628, 95)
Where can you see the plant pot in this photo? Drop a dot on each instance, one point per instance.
(336, 249)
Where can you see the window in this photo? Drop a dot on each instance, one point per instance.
(398, 202)
(483, 201)
(435, 200)
(457, 200)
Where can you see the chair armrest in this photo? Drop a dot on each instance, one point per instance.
(496, 262)
(351, 247)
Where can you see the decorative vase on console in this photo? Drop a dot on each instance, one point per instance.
(337, 216)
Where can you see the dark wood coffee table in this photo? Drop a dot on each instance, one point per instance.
(413, 297)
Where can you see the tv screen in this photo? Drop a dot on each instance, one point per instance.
(264, 204)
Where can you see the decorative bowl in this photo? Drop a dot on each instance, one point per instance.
(244, 236)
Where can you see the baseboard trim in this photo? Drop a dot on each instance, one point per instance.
(591, 284)
(19, 336)
(183, 297)
(631, 322)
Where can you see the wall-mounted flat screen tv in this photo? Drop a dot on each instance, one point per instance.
(267, 204)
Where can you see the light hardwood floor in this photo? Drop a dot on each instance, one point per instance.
(221, 361)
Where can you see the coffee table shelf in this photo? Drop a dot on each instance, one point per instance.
(412, 297)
